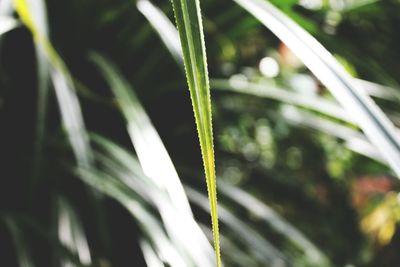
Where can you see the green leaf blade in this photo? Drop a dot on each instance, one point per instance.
(188, 19)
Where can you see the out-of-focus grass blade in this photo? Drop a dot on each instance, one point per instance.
(24, 259)
(164, 27)
(7, 24)
(148, 145)
(71, 234)
(231, 250)
(182, 230)
(149, 224)
(263, 250)
(170, 37)
(313, 255)
(39, 19)
(33, 17)
(370, 118)
(20, 225)
(6, 8)
(190, 28)
(266, 91)
(378, 90)
(150, 256)
(158, 167)
(355, 140)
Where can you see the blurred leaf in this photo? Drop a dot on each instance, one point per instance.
(148, 144)
(354, 140)
(24, 259)
(150, 256)
(7, 24)
(319, 104)
(151, 152)
(71, 233)
(149, 224)
(370, 118)
(381, 222)
(313, 255)
(34, 19)
(164, 27)
(262, 249)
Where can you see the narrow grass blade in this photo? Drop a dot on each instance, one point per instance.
(370, 118)
(33, 18)
(355, 140)
(24, 258)
(182, 230)
(158, 168)
(378, 90)
(71, 234)
(261, 249)
(231, 250)
(149, 224)
(150, 256)
(312, 254)
(148, 144)
(164, 28)
(22, 226)
(7, 24)
(289, 97)
(190, 28)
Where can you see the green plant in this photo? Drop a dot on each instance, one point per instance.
(111, 175)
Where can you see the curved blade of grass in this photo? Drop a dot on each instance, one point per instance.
(39, 18)
(164, 27)
(7, 24)
(355, 140)
(157, 167)
(190, 28)
(24, 259)
(182, 230)
(269, 91)
(150, 225)
(231, 250)
(370, 118)
(150, 256)
(148, 144)
(24, 225)
(261, 248)
(359, 145)
(378, 90)
(71, 234)
(71, 113)
(279, 224)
